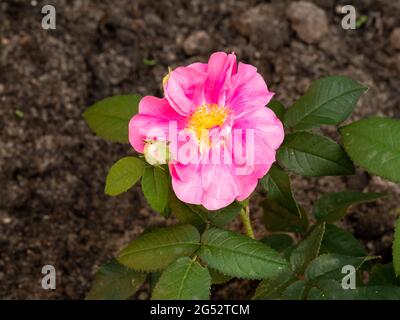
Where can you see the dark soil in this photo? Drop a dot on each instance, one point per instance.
(52, 168)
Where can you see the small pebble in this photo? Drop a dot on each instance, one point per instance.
(264, 25)
(395, 38)
(197, 43)
(308, 20)
(6, 220)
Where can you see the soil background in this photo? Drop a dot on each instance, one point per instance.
(52, 168)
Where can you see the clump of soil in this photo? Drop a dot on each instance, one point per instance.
(52, 168)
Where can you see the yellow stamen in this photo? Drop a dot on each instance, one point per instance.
(207, 117)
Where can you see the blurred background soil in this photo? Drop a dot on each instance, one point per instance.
(52, 168)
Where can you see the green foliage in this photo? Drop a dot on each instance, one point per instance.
(277, 108)
(153, 279)
(155, 186)
(333, 206)
(222, 217)
(332, 290)
(329, 266)
(377, 293)
(307, 249)
(396, 249)
(199, 216)
(272, 288)
(277, 184)
(109, 118)
(149, 62)
(279, 219)
(218, 277)
(188, 213)
(361, 20)
(123, 175)
(374, 145)
(313, 155)
(295, 291)
(329, 290)
(115, 282)
(182, 264)
(19, 113)
(239, 256)
(328, 101)
(339, 241)
(383, 274)
(278, 241)
(155, 250)
(184, 279)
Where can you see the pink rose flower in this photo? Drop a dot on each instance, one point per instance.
(216, 111)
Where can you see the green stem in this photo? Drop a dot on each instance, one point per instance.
(245, 216)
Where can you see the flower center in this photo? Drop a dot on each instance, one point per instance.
(207, 116)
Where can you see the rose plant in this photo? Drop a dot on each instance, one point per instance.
(200, 152)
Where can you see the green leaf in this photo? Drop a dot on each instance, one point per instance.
(396, 249)
(19, 113)
(339, 241)
(155, 187)
(155, 250)
(188, 213)
(222, 217)
(166, 213)
(288, 251)
(153, 279)
(328, 101)
(279, 219)
(329, 289)
(184, 279)
(377, 293)
(277, 108)
(383, 274)
(149, 62)
(329, 266)
(361, 20)
(333, 206)
(109, 118)
(115, 282)
(313, 155)
(307, 249)
(270, 289)
(374, 145)
(218, 277)
(239, 256)
(123, 175)
(296, 291)
(278, 241)
(277, 184)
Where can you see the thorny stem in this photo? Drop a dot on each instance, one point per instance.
(245, 216)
